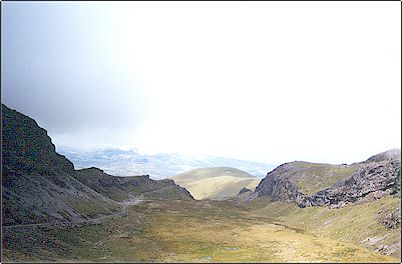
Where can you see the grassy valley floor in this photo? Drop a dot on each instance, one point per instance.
(189, 231)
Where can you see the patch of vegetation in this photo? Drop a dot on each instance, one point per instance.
(190, 231)
(138, 189)
(314, 177)
(354, 223)
(92, 210)
(215, 183)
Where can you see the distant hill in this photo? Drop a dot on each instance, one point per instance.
(215, 183)
(159, 166)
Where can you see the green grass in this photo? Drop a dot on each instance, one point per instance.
(195, 231)
(202, 173)
(353, 223)
(215, 183)
(313, 177)
(93, 210)
(138, 189)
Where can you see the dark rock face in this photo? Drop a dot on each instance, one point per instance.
(397, 189)
(36, 181)
(278, 187)
(27, 147)
(244, 190)
(376, 177)
(372, 178)
(392, 220)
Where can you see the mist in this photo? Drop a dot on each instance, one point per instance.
(236, 79)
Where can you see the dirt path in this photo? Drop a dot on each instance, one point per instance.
(98, 220)
(184, 231)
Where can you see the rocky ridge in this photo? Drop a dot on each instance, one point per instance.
(373, 178)
(39, 185)
(121, 188)
(245, 190)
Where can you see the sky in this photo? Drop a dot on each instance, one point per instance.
(262, 81)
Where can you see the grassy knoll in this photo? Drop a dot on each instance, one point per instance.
(215, 183)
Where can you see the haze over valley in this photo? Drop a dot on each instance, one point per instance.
(219, 132)
(158, 166)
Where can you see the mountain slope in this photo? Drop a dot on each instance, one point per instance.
(36, 181)
(215, 183)
(323, 184)
(122, 188)
(39, 185)
(369, 224)
(361, 206)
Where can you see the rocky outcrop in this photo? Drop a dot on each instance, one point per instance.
(27, 147)
(392, 154)
(397, 189)
(121, 188)
(392, 220)
(374, 178)
(280, 188)
(245, 190)
(168, 190)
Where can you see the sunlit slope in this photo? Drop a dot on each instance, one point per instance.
(215, 183)
(364, 223)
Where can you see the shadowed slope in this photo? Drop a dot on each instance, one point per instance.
(39, 185)
(121, 188)
(37, 182)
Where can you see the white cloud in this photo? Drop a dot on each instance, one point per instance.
(264, 81)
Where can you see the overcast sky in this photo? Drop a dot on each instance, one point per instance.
(263, 81)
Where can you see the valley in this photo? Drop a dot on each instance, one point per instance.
(200, 132)
(194, 231)
(300, 212)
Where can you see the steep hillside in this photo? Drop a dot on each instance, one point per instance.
(309, 184)
(372, 181)
(39, 185)
(215, 183)
(313, 177)
(36, 181)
